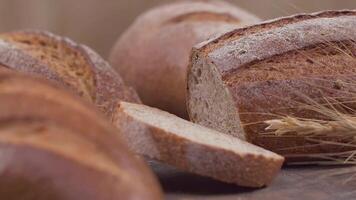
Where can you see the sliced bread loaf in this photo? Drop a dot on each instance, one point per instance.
(191, 147)
(262, 72)
(61, 60)
(153, 54)
(54, 146)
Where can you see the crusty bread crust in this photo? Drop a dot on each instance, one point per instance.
(266, 66)
(153, 54)
(281, 39)
(218, 41)
(107, 85)
(251, 166)
(54, 146)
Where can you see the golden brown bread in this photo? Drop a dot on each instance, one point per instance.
(54, 146)
(165, 137)
(61, 60)
(257, 73)
(153, 54)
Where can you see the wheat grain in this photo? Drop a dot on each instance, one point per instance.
(338, 121)
(309, 127)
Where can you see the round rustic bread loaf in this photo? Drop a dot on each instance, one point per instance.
(153, 54)
(54, 146)
(277, 68)
(73, 65)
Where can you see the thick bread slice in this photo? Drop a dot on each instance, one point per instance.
(61, 60)
(55, 146)
(194, 148)
(153, 54)
(257, 73)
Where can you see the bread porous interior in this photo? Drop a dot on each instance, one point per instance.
(210, 102)
(66, 62)
(190, 131)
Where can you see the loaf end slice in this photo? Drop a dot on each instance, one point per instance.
(194, 148)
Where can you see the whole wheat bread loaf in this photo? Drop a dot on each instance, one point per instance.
(165, 137)
(54, 146)
(253, 74)
(153, 54)
(62, 60)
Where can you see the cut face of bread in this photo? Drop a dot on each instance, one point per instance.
(188, 146)
(262, 72)
(209, 95)
(65, 62)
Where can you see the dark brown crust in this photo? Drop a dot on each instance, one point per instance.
(153, 54)
(109, 88)
(27, 100)
(221, 164)
(270, 95)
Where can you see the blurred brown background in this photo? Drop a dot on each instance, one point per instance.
(98, 23)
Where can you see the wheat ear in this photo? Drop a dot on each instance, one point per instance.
(345, 126)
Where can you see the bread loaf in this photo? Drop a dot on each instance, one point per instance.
(162, 136)
(153, 54)
(61, 60)
(53, 146)
(249, 75)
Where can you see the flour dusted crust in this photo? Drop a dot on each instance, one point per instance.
(281, 38)
(261, 69)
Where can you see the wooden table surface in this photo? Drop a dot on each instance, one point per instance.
(306, 183)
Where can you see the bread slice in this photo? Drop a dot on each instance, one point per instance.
(72, 65)
(153, 54)
(55, 146)
(194, 148)
(253, 74)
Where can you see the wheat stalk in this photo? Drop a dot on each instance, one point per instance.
(339, 122)
(309, 127)
(340, 125)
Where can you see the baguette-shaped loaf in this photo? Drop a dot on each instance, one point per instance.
(54, 146)
(262, 72)
(153, 54)
(62, 60)
(165, 137)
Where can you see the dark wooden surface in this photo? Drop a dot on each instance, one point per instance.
(307, 183)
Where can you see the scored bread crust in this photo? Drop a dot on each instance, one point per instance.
(107, 85)
(54, 146)
(251, 166)
(247, 64)
(153, 54)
